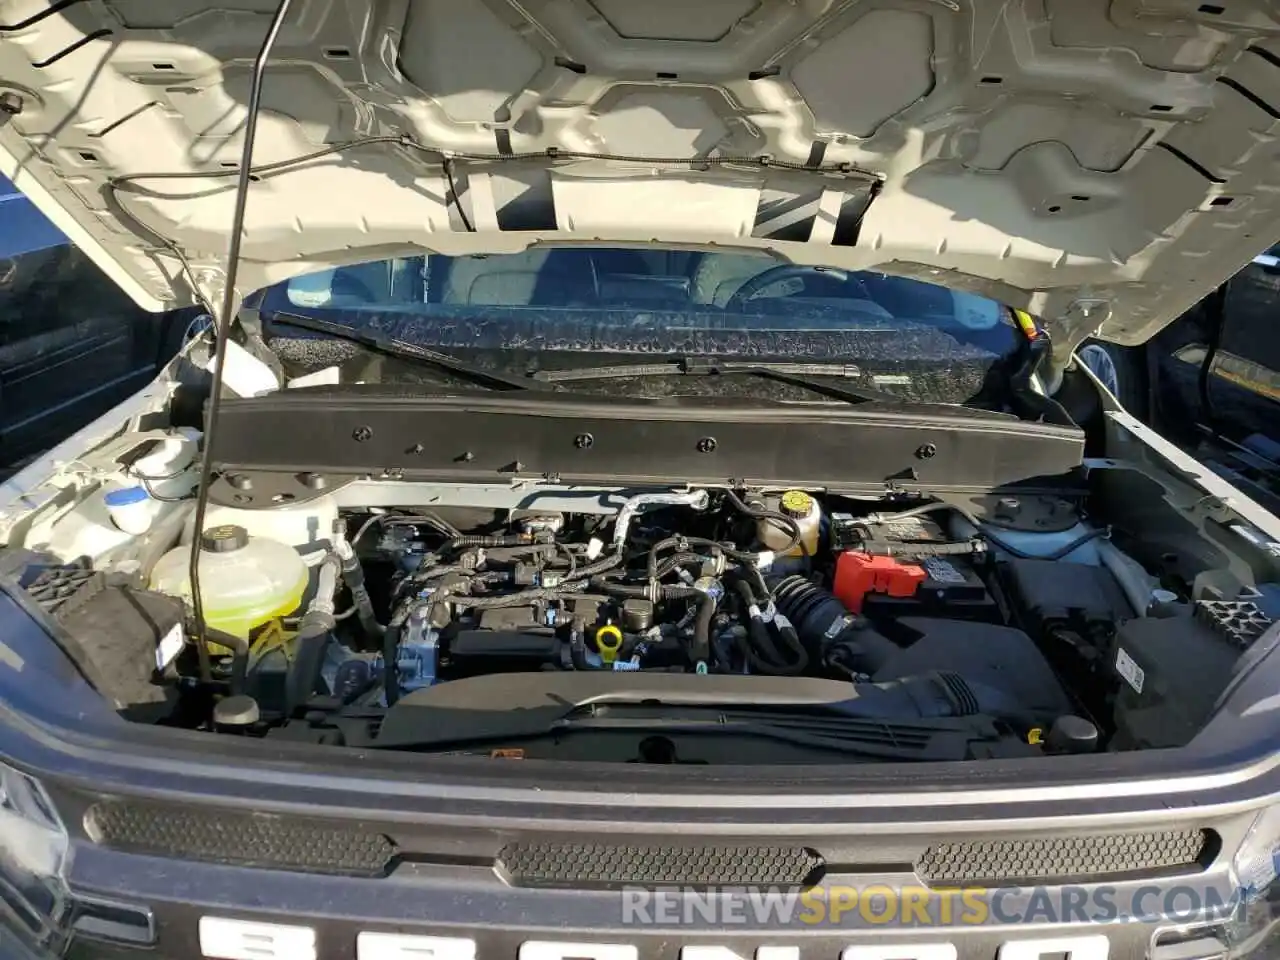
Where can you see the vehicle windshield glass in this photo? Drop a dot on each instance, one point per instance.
(550, 307)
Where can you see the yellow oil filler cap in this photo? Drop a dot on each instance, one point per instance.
(608, 642)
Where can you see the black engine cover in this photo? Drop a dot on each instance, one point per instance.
(1001, 658)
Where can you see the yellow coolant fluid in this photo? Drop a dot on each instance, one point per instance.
(245, 581)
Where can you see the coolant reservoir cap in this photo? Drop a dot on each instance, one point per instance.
(796, 503)
(224, 539)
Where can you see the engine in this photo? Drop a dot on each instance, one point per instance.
(700, 582)
(918, 612)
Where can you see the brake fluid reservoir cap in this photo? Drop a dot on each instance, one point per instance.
(796, 503)
(224, 539)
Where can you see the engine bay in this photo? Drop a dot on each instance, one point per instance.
(699, 625)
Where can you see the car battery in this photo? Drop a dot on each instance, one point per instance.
(886, 588)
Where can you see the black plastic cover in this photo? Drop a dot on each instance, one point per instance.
(477, 652)
(986, 655)
(953, 590)
(270, 442)
(1171, 673)
(112, 631)
(1053, 592)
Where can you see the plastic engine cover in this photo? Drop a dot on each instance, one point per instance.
(1003, 658)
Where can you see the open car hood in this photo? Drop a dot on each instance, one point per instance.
(1101, 163)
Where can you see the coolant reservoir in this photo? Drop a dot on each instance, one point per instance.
(807, 514)
(244, 581)
(306, 526)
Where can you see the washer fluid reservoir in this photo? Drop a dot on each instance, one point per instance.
(244, 581)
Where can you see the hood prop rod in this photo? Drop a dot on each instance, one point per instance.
(222, 330)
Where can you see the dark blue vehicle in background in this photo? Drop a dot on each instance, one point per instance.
(72, 344)
(1210, 381)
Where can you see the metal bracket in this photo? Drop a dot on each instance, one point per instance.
(1082, 319)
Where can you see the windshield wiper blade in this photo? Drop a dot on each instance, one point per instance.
(795, 374)
(403, 348)
(697, 367)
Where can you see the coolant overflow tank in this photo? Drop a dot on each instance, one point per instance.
(804, 510)
(244, 581)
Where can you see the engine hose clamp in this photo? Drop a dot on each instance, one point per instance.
(838, 626)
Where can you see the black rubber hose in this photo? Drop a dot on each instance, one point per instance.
(669, 591)
(303, 675)
(353, 577)
(578, 647)
(789, 638)
(761, 513)
(715, 546)
(700, 651)
(666, 544)
(391, 660)
(743, 589)
(828, 627)
(675, 562)
(239, 647)
(756, 659)
(607, 562)
(759, 649)
(763, 593)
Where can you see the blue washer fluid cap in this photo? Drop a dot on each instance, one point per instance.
(125, 496)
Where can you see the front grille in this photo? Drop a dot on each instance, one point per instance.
(550, 864)
(1087, 857)
(253, 840)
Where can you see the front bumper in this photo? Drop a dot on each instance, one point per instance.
(159, 908)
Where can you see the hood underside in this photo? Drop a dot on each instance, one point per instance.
(1101, 163)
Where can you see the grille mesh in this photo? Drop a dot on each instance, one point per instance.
(241, 839)
(552, 864)
(1060, 858)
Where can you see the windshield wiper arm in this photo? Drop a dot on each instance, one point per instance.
(795, 374)
(403, 348)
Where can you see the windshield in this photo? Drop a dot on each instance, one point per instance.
(545, 308)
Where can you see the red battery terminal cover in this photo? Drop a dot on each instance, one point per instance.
(858, 574)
